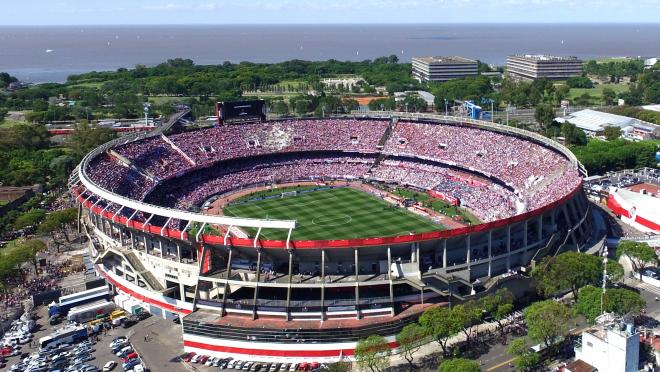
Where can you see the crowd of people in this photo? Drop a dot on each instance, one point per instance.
(534, 175)
(193, 191)
(487, 200)
(111, 174)
(154, 155)
(521, 164)
(230, 141)
(22, 288)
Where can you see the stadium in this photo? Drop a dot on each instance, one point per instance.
(289, 240)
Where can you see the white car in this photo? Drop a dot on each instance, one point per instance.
(195, 359)
(138, 368)
(231, 364)
(210, 361)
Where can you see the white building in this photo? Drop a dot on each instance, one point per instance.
(536, 66)
(650, 62)
(612, 346)
(426, 69)
(594, 122)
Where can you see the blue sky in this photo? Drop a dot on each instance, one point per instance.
(96, 12)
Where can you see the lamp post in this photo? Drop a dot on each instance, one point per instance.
(602, 294)
(446, 108)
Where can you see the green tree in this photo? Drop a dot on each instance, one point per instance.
(525, 360)
(619, 301)
(547, 321)
(303, 106)
(499, 305)
(280, 107)
(468, 315)
(459, 365)
(584, 99)
(29, 218)
(573, 135)
(544, 114)
(61, 167)
(58, 221)
(382, 104)
(570, 270)
(640, 254)
(608, 96)
(439, 323)
(612, 132)
(3, 113)
(410, 340)
(373, 353)
(414, 103)
(85, 137)
(30, 249)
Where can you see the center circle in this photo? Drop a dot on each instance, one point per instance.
(332, 220)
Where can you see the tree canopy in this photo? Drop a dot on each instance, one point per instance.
(410, 340)
(373, 353)
(571, 270)
(439, 323)
(547, 321)
(619, 301)
(459, 365)
(639, 253)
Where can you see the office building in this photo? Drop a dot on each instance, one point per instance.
(426, 69)
(533, 67)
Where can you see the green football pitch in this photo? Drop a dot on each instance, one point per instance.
(338, 213)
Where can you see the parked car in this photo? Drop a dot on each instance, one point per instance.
(188, 357)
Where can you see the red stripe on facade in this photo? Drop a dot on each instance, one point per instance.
(275, 353)
(143, 298)
(618, 210)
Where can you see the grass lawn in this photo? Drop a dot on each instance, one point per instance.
(597, 91)
(339, 213)
(10, 123)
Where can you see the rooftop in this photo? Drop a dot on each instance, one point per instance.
(444, 60)
(595, 121)
(544, 57)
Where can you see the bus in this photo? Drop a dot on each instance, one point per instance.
(84, 297)
(91, 311)
(69, 334)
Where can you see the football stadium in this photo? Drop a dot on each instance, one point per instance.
(289, 240)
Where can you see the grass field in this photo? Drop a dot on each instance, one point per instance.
(597, 91)
(339, 213)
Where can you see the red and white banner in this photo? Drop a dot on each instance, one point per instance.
(442, 196)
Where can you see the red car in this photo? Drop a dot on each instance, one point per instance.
(128, 357)
(188, 356)
(6, 350)
(203, 359)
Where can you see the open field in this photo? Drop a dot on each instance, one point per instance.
(339, 213)
(597, 91)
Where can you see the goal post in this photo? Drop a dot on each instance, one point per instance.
(288, 193)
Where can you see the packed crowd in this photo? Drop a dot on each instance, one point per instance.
(154, 155)
(111, 174)
(536, 174)
(230, 141)
(22, 289)
(196, 189)
(487, 200)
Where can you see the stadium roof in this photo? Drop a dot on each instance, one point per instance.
(596, 121)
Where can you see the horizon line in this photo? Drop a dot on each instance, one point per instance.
(339, 24)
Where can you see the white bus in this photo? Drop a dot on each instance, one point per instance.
(69, 334)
